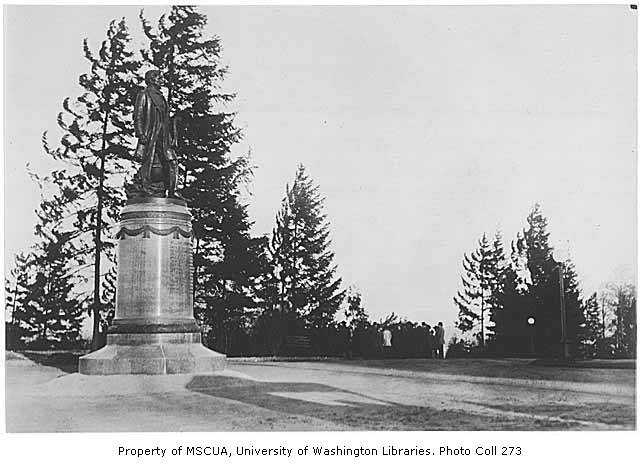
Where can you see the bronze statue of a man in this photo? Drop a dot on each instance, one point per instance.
(156, 133)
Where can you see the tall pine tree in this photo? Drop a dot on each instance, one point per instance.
(307, 288)
(544, 291)
(475, 301)
(95, 148)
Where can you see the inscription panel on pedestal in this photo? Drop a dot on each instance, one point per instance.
(177, 277)
(137, 277)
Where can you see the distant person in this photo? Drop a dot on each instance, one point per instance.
(440, 340)
(386, 342)
(428, 343)
(432, 339)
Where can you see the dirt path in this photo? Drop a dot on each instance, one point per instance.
(285, 396)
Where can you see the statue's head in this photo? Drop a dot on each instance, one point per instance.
(153, 77)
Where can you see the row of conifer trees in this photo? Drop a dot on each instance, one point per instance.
(510, 305)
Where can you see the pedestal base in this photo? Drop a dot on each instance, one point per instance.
(162, 353)
(154, 331)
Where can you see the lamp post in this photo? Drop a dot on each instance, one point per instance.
(532, 321)
(560, 257)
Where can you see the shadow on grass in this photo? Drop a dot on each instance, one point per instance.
(66, 361)
(352, 410)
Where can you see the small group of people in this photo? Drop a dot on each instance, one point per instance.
(435, 341)
(434, 344)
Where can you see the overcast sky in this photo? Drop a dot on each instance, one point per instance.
(423, 126)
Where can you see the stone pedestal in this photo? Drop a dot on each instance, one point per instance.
(154, 331)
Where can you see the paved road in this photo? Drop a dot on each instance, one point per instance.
(287, 396)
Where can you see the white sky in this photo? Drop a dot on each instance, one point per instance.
(423, 126)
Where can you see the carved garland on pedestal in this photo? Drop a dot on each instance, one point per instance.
(146, 229)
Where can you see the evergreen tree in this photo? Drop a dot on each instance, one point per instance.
(307, 289)
(226, 258)
(52, 314)
(16, 290)
(592, 341)
(544, 291)
(480, 281)
(95, 148)
(497, 270)
(44, 306)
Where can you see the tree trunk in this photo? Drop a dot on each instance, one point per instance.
(96, 341)
(482, 320)
(13, 309)
(294, 269)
